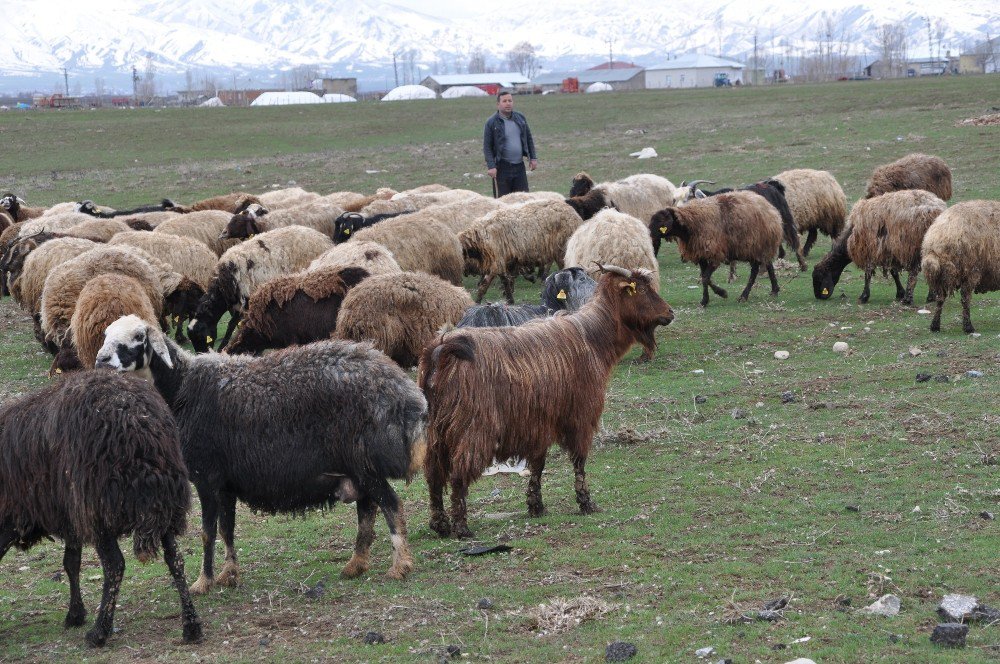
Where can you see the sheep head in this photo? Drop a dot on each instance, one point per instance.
(640, 309)
(667, 225)
(11, 203)
(130, 344)
(183, 300)
(242, 225)
(582, 183)
(345, 225)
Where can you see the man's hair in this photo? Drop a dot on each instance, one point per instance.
(501, 93)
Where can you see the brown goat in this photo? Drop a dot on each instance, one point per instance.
(914, 171)
(513, 391)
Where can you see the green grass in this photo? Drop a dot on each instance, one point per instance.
(701, 509)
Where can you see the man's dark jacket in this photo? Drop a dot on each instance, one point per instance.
(494, 138)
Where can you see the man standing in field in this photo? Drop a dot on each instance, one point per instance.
(506, 142)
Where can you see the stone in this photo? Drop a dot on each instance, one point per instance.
(704, 652)
(887, 605)
(923, 377)
(454, 651)
(986, 614)
(698, 372)
(781, 354)
(801, 660)
(956, 608)
(770, 616)
(484, 604)
(986, 515)
(316, 591)
(853, 508)
(620, 651)
(950, 635)
(840, 347)
(788, 397)
(700, 398)
(373, 638)
(739, 414)
(914, 351)
(972, 373)
(942, 379)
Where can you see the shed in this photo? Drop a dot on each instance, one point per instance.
(632, 78)
(693, 70)
(494, 80)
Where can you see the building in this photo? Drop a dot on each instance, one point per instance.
(336, 86)
(632, 78)
(983, 58)
(615, 64)
(693, 70)
(490, 82)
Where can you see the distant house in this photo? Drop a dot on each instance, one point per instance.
(983, 58)
(490, 82)
(693, 71)
(615, 64)
(336, 86)
(631, 78)
(927, 66)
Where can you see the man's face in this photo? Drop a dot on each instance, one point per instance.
(505, 104)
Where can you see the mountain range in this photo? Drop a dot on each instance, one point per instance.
(250, 42)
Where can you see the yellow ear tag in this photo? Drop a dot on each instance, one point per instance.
(561, 295)
(347, 231)
(209, 339)
(826, 292)
(631, 288)
(663, 229)
(239, 324)
(177, 319)
(58, 371)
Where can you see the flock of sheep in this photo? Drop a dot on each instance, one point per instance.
(352, 289)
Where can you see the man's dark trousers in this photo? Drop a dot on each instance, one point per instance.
(510, 177)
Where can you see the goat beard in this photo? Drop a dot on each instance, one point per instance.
(645, 337)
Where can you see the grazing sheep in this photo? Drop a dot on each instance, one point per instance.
(498, 314)
(352, 222)
(233, 203)
(244, 267)
(206, 227)
(427, 199)
(293, 310)
(98, 230)
(400, 313)
(517, 238)
(16, 208)
(568, 289)
(514, 391)
(640, 195)
(185, 255)
(390, 206)
(90, 459)
(914, 171)
(817, 202)
(37, 260)
(738, 226)
(429, 248)
(300, 428)
(371, 256)
(350, 201)
(885, 231)
(103, 300)
(148, 220)
(961, 251)
(284, 198)
(515, 197)
(320, 215)
(53, 223)
(615, 238)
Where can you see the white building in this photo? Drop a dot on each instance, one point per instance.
(693, 71)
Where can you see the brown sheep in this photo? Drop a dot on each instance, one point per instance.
(103, 300)
(817, 201)
(914, 171)
(400, 313)
(232, 203)
(37, 260)
(429, 248)
(318, 215)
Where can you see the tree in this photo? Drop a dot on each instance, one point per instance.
(522, 59)
(477, 61)
(892, 44)
(147, 84)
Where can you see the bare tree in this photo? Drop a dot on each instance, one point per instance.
(477, 61)
(148, 84)
(986, 56)
(522, 59)
(98, 87)
(301, 77)
(892, 46)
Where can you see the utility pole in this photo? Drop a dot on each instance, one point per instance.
(135, 86)
(930, 45)
(395, 70)
(66, 81)
(756, 66)
(610, 42)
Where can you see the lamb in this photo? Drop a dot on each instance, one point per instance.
(103, 300)
(513, 239)
(914, 171)
(284, 198)
(612, 235)
(640, 195)
(568, 289)
(296, 309)
(206, 227)
(817, 202)
(430, 248)
(497, 314)
(885, 231)
(506, 392)
(371, 256)
(233, 203)
(961, 251)
(300, 428)
(90, 459)
(244, 267)
(738, 226)
(319, 215)
(400, 313)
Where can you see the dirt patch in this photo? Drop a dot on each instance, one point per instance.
(990, 119)
(561, 615)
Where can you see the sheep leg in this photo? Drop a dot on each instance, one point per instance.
(209, 523)
(459, 508)
(113, 565)
(936, 321)
(706, 282)
(900, 291)
(175, 563)
(436, 468)
(732, 272)
(392, 510)
(234, 320)
(507, 283)
(656, 245)
(484, 285)
(536, 466)
(810, 241)
(179, 335)
(77, 613)
(911, 284)
(866, 291)
(773, 278)
(358, 564)
(230, 574)
(754, 269)
(587, 506)
(966, 305)
(7, 537)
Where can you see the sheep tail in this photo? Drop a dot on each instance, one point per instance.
(940, 277)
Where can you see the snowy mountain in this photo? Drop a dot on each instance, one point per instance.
(252, 40)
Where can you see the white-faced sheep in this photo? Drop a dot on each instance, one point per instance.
(319, 215)
(19, 211)
(738, 226)
(283, 198)
(817, 201)
(615, 238)
(429, 248)
(300, 428)
(91, 459)
(914, 171)
(516, 239)
(882, 232)
(400, 313)
(206, 227)
(373, 257)
(103, 300)
(640, 195)
(961, 251)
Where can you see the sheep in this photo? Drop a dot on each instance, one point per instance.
(14, 205)
(103, 300)
(37, 260)
(424, 189)
(459, 216)
(400, 313)
(506, 392)
(568, 289)
(352, 222)
(640, 195)
(185, 255)
(90, 459)
(296, 309)
(350, 201)
(885, 231)
(430, 248)
(914, 171)
(91, 208)
(58, 223)
(148, 220)
(233, 203)
(516, 197)
(388, 207)
(513, 239)
(497, 314)
(244, 267)
(98, 230)
(206, 227)
(6, 220)
(961, 251)
(817, 203)
(300, 428)
(319, 215)
(612, 237)
(423, 200)
(372, 256)
(738, 226)
(283, 198)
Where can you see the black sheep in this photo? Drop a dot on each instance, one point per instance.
(568, 289)
(350, 223)
(498, 314)
(90, 459)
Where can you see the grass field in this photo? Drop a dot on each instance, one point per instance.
(866, 482)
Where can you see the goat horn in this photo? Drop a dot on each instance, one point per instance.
(613, 269)
(695, 183)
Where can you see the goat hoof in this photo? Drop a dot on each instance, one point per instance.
(75, 619)
(230, 576)
(441, 526)
(202, 585)
(192, 632)
(96, 638)
(401, 570)
(589, 508)
(462, 532)
(355, 567)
